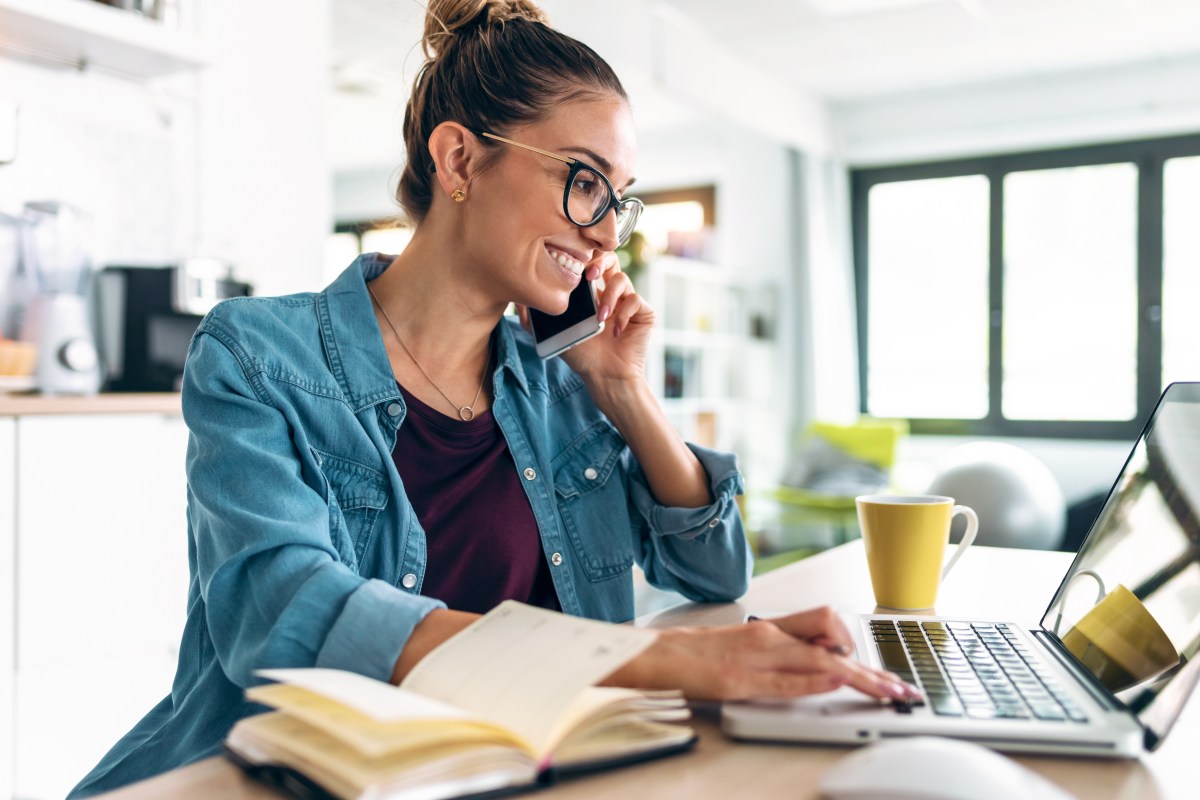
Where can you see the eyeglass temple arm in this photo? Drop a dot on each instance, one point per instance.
(556, 156)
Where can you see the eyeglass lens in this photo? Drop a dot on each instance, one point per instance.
(589, 199)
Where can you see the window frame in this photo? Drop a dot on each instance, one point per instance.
(1149, 157)
(705, 195)
(363, 226)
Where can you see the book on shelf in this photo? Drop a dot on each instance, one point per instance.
(506, 705)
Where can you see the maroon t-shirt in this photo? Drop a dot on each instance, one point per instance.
(481, 535)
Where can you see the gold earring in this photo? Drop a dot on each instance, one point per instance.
(458, 195)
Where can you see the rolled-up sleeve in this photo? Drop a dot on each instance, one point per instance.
(702, 553)
(275, 591)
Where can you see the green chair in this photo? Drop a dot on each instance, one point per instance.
(852, 454)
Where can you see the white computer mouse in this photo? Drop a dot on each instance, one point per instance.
(933, 768)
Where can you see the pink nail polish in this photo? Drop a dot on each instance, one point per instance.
(603, 313)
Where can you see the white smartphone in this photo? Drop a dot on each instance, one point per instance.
(578, 323)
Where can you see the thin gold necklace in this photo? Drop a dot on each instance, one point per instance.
(465, 413)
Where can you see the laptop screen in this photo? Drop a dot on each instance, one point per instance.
(1129, 607)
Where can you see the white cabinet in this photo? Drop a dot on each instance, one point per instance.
(8, 551)
(101, 584)
(85, 33)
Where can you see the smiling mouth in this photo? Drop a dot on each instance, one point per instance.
(566, 261)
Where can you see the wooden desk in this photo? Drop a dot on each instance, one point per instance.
(988, 582)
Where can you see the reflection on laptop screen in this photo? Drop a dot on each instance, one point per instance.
(1129, 608)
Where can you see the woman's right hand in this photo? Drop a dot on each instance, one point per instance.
(789, 656)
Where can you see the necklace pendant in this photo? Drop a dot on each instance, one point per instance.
(466, 413)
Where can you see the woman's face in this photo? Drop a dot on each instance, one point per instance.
(517, 230)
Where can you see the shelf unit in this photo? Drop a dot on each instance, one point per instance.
(85, 34)
(701, 351)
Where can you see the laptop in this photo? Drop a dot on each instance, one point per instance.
(1106, 673)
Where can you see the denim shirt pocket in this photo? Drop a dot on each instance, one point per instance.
(357, 493)
(592, 501)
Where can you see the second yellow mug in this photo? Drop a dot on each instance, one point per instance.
(905, 537)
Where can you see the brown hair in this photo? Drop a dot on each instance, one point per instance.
(490, 64)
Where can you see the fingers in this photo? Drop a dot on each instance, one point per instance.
(877, 683)
(820, 626)
(615, 292)
(790, 684)
(523, 316)
(751, 661)
(795, 656)
(620, 304)
(602, 264)
(880, 686)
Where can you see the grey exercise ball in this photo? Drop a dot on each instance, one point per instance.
(1016, 496)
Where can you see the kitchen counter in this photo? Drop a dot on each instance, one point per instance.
(24, 405)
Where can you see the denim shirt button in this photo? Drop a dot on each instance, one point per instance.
(530, 473)
(393, 409)
(714, 522)
(591, 474)
(408, 581)
(556, 559)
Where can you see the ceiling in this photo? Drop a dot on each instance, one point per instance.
(840, 51)
(844, 49)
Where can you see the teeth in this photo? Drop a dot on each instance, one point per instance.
(566, 261)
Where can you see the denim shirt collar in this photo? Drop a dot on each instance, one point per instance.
(354, 344)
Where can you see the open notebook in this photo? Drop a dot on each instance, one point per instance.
(504, 706)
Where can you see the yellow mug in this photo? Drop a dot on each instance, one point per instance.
(905, 539)
(1121, 642)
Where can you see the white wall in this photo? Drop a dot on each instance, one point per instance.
(1105, 104)
(119, 150)
(265, 185)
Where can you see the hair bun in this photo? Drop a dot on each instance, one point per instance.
(445, 19)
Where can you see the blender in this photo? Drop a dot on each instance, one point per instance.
(59, 270)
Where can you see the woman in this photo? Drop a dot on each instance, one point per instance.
(371, 466)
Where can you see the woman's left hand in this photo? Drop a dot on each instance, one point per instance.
(619, 351)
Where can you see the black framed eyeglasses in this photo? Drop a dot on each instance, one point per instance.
(588, 194)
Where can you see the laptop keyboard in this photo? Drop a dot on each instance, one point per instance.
(977, 670)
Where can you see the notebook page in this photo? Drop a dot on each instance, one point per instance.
(378, 700)
(523, 666)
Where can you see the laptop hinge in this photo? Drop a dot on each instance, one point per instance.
(1086, 679)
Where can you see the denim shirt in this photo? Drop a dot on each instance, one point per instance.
(303, 547)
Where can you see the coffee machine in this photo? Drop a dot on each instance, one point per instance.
(57, 267)
(147, 317)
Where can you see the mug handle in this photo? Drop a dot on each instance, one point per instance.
(968, 536)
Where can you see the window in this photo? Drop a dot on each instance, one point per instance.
(349, 239)
(1070, 289)
(1181, 269)
(678, 221)
(920, 294)
(1031, 294)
